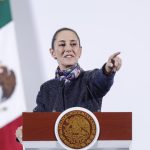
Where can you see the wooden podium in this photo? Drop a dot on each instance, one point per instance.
(115, 130)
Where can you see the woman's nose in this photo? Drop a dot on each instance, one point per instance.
(68, 48)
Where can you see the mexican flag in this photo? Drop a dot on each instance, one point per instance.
(12, 101)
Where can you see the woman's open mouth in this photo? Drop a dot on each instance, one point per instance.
(68, 56)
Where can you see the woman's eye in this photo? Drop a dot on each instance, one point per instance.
(62, 45)
(73, 44)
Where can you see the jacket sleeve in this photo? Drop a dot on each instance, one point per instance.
(40, 100)
(99, 83)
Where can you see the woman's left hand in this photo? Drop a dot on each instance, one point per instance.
(114, 63)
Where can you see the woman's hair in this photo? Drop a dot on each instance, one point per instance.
(62, 29)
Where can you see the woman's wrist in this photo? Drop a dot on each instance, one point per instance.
(107, 71)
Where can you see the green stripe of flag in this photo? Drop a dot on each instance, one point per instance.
(5, 13)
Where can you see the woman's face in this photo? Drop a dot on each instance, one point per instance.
(66, 50)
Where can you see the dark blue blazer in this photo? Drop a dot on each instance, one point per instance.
(85, 91)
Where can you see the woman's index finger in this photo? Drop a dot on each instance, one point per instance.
(115, 54)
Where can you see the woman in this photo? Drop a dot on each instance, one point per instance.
(72, 86)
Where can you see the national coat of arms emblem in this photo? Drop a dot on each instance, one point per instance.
(77, 128)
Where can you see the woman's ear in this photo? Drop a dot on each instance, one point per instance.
(53, 54)
(80, 51)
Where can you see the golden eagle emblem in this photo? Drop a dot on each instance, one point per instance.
(77, 129)
(7, 82)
